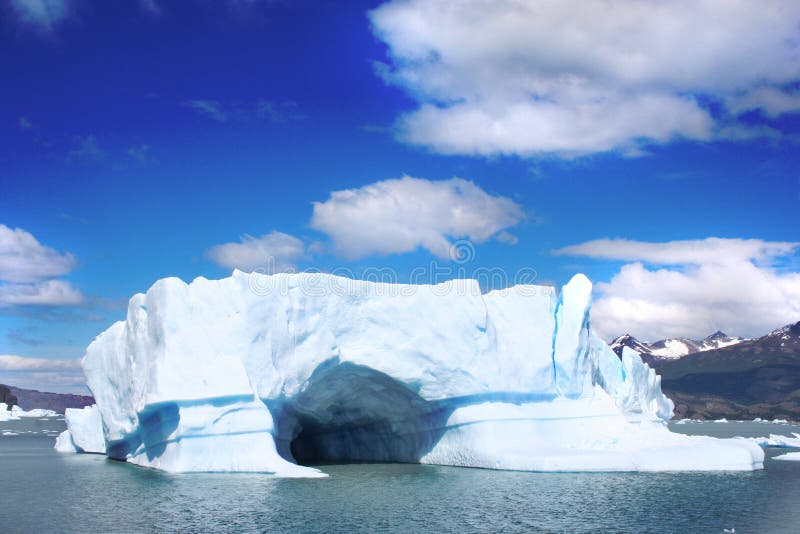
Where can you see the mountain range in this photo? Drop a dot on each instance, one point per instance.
(674, 347)
(723, 376)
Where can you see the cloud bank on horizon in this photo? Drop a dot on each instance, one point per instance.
(693, 287)
(57, 376)
(570, 78)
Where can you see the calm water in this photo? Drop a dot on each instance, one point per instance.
(46, 492)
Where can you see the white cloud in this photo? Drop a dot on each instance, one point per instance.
(28, 272)
(273, 252)
(24, 259)
(772, 101)
(713, 250)
(47, 293)
(41, 14)
(712, 284)
(59, 376)
(401, 215)
(581, 76)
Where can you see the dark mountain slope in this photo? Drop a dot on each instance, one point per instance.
(754, 378)
(7, 397)
(28, 399)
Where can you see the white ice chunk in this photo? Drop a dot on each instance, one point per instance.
(792, 456)
(64, 443)
(85, 428)
(17, 413)
(777, 440)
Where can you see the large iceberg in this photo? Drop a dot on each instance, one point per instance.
(266, 373)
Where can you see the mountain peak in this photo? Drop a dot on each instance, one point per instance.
(631, 342)
(719, 334)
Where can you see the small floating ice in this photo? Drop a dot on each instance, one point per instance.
(777, 440)
(17, 413)
(789, 456)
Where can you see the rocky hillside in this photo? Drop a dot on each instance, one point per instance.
(28, 399)
(7, 397)
(753, 378)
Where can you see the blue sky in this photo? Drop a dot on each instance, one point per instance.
(140, 140)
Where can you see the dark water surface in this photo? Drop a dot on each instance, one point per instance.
(44, 491)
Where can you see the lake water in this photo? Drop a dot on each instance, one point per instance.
(44, 491)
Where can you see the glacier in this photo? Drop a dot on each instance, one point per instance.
(269, 373)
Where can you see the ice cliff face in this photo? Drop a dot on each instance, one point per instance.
(260, 373)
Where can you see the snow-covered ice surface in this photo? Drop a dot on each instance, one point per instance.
(16, 412)
(257, 373)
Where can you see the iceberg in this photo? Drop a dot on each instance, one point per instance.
(267, 373)
(777, 440)
(789, 456)
(84, 431)
(17, 413)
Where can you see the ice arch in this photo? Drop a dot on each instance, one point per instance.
(256, 372)
(351, 412)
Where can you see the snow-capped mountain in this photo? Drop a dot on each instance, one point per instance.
(719, 339)
(674, 347)
(631, 342)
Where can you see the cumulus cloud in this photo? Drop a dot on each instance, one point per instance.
(44, 15)
(576, 77)
(28, 271)
(692, 288)
(59, 376)
(774, 102)
(24, 259)
(272, 252)
(401, 215)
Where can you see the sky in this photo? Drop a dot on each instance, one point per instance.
(653, 146)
